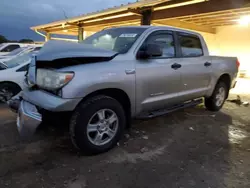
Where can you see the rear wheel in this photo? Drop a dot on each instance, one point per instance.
(216, 101)
(8, 90)
(97, 124)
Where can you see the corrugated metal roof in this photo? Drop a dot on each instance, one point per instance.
(122, 7)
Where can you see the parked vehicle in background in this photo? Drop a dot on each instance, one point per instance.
(18, 52)
(118, 74)
(6, 48)
(12, 74)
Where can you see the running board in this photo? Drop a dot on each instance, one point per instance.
(162, 112)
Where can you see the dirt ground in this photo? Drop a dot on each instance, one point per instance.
(188, 148)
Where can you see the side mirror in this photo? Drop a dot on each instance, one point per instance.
(150, 50)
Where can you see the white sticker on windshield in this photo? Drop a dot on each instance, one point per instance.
(132, 35)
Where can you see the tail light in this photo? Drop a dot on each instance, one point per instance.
(238, 63)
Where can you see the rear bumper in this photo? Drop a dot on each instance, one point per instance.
(28, 119)
(47, 101)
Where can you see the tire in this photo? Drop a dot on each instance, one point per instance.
(214, 103)
(8, 90)
(87, 115)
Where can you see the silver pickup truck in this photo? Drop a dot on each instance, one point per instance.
(118, 74)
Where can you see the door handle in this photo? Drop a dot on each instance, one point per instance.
(176, 66)
(207, 64)
(130, 71)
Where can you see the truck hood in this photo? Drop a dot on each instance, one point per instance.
(54, 50)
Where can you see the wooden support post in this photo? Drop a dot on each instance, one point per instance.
(146, 17)
(80, 34)
(48, 37)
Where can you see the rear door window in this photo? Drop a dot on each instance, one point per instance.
(190, 45)
(10, 48)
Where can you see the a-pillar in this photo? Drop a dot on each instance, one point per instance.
(146, 17)
(48, 37)
(80, 34)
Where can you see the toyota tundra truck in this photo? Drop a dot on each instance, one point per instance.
(120, 74)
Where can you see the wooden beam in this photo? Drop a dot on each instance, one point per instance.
(175, 3)
(105, 16)
(202, 21)
(70, 33)
(215, 16)
(101, 24)
(200, 8)
(61, 28)
(113, 21)
(224, 12)
(220, 23)
(217, 21)
(185, 25)
(104, 26)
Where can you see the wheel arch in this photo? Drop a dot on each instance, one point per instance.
(227, 80)
(12, 83)
(15, 89)
(120, 95)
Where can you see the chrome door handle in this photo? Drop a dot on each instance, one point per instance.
(130, 71)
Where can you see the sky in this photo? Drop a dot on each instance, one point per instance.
(17, 16)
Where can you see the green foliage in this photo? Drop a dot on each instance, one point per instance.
(26, 41)
(3, 39)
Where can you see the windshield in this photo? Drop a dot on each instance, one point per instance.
(118, 39)
(18, 60)
(15, 52)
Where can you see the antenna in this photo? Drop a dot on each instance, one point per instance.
(64, 13)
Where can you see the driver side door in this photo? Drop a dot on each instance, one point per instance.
(158, 81)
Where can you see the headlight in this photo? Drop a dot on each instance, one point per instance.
(51, 80)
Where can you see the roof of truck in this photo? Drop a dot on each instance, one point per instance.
(161, 27)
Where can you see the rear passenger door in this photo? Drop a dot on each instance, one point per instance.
(196, 66)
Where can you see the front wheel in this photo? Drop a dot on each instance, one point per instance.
(97, 124)
(216, 101)
(7, 91)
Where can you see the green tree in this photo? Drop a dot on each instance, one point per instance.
(3, 39)
(26, 41)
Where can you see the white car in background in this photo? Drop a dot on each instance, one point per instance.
(18, 52)
(6, 48)
(12, 74)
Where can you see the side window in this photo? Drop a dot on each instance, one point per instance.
(165, 41)
(10, 48)
(24, 68)
(190, 46)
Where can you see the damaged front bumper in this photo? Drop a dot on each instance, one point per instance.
(28, 119)
(30, 105)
